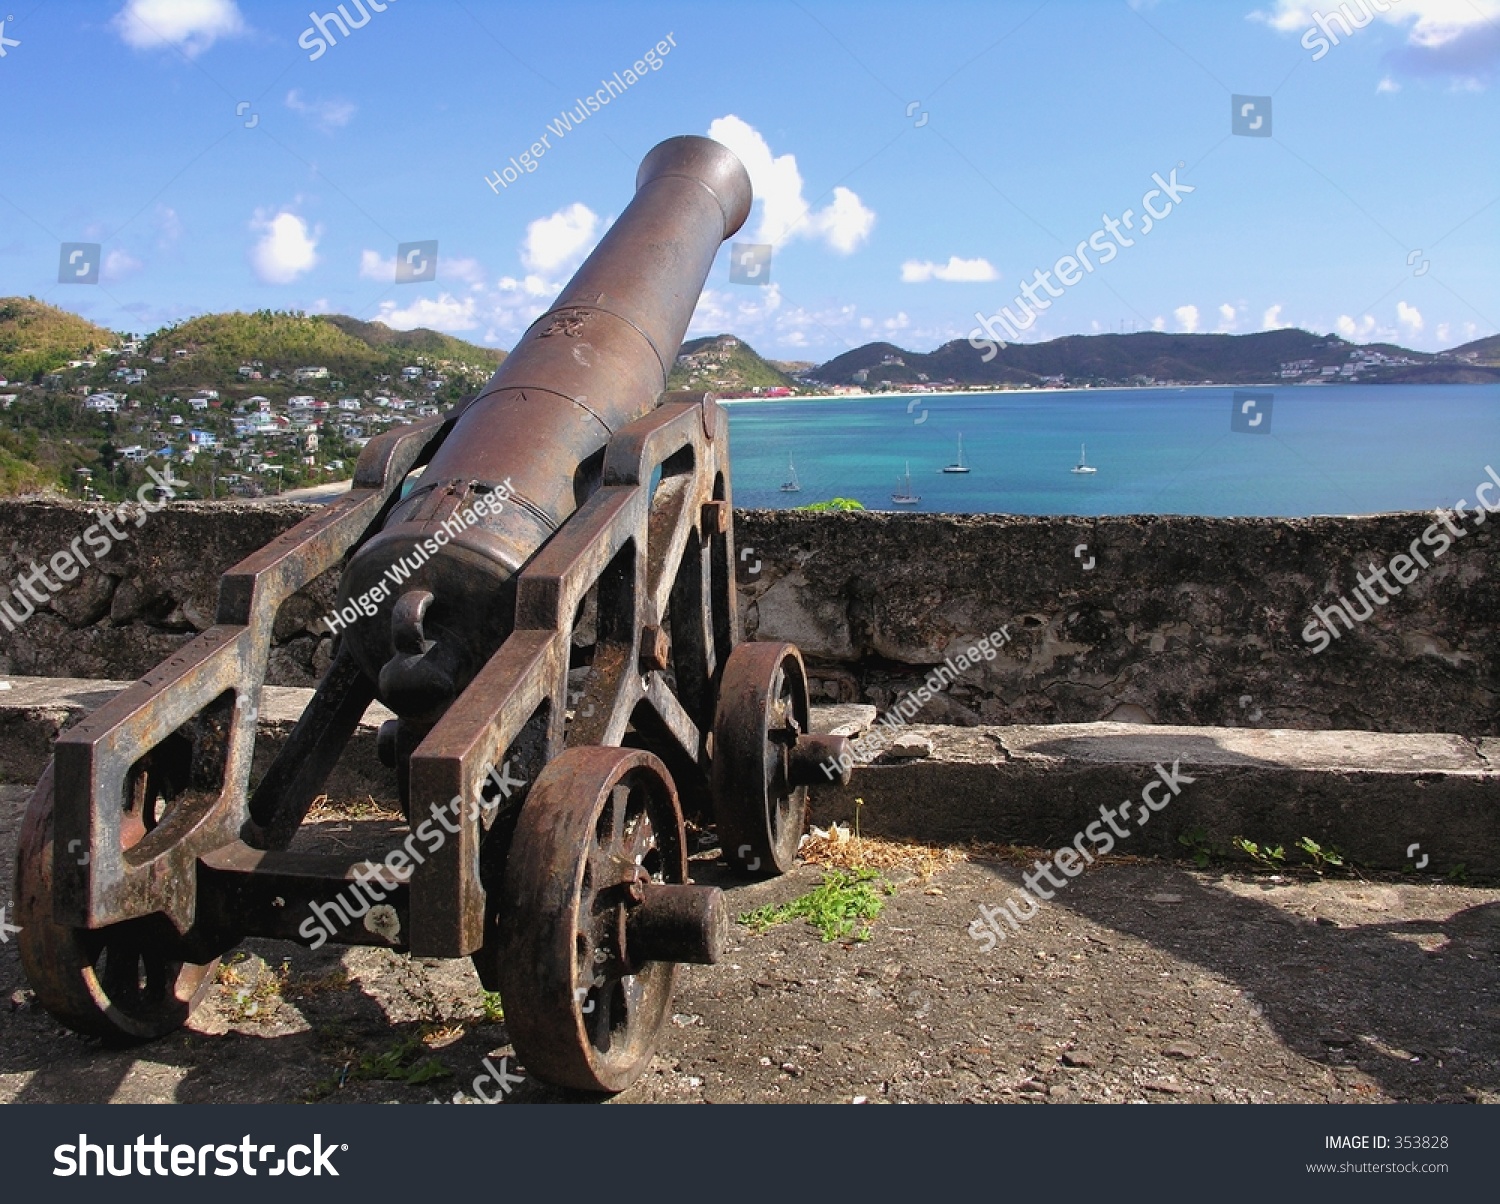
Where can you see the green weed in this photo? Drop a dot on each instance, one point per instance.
(834, 907)
(1267, 857)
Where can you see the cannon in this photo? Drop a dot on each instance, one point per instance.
(539, 585)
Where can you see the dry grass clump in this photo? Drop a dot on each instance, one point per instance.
(840, 849)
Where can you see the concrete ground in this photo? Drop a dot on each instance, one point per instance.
(1143, 980)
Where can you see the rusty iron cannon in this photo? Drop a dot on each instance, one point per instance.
(548, 608)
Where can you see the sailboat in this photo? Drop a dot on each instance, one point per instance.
(1083, 464)
(958, 465)
(791, 484)
(903, 495)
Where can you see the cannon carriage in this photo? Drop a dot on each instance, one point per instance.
(549, 612)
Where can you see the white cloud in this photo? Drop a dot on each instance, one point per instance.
(1271, 319)
(843, 224)
(1228, 318)
(1456, 39)
(531, 285)
(447, 313)
(168, 227)
(1387, 84)
(563, 239)
(1158, 323)
(286, 249)
(1408, 316)
(1443, 332)
(373, 267)
(118, 265)
(1187, 318)
(469, 271)
(1433, 22)
(327, 115)
(191, 26)
(955, 271)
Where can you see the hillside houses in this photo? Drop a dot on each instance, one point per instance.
(309, 425)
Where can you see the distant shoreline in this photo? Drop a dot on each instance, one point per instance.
(894, 394)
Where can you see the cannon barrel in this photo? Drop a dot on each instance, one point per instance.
(595, 361)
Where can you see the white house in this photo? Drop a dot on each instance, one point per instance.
(350, 403)
(103, 403)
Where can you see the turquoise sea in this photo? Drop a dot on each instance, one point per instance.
(1335, 449)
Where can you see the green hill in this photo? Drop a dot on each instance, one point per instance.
(213, 347)
(1149, 357)
(36, 338)
(726, 365)
(1481, 351)
(421, 341)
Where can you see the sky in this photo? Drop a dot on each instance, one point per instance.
(916, 167)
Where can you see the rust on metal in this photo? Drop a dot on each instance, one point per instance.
(565, 667)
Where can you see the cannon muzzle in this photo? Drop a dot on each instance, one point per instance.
(529, 449)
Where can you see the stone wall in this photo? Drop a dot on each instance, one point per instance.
(1153, 619)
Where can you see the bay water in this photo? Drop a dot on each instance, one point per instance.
(1335, 449)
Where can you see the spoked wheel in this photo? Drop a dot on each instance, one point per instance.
(600, 830)
(121, 983)
(763, 711)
